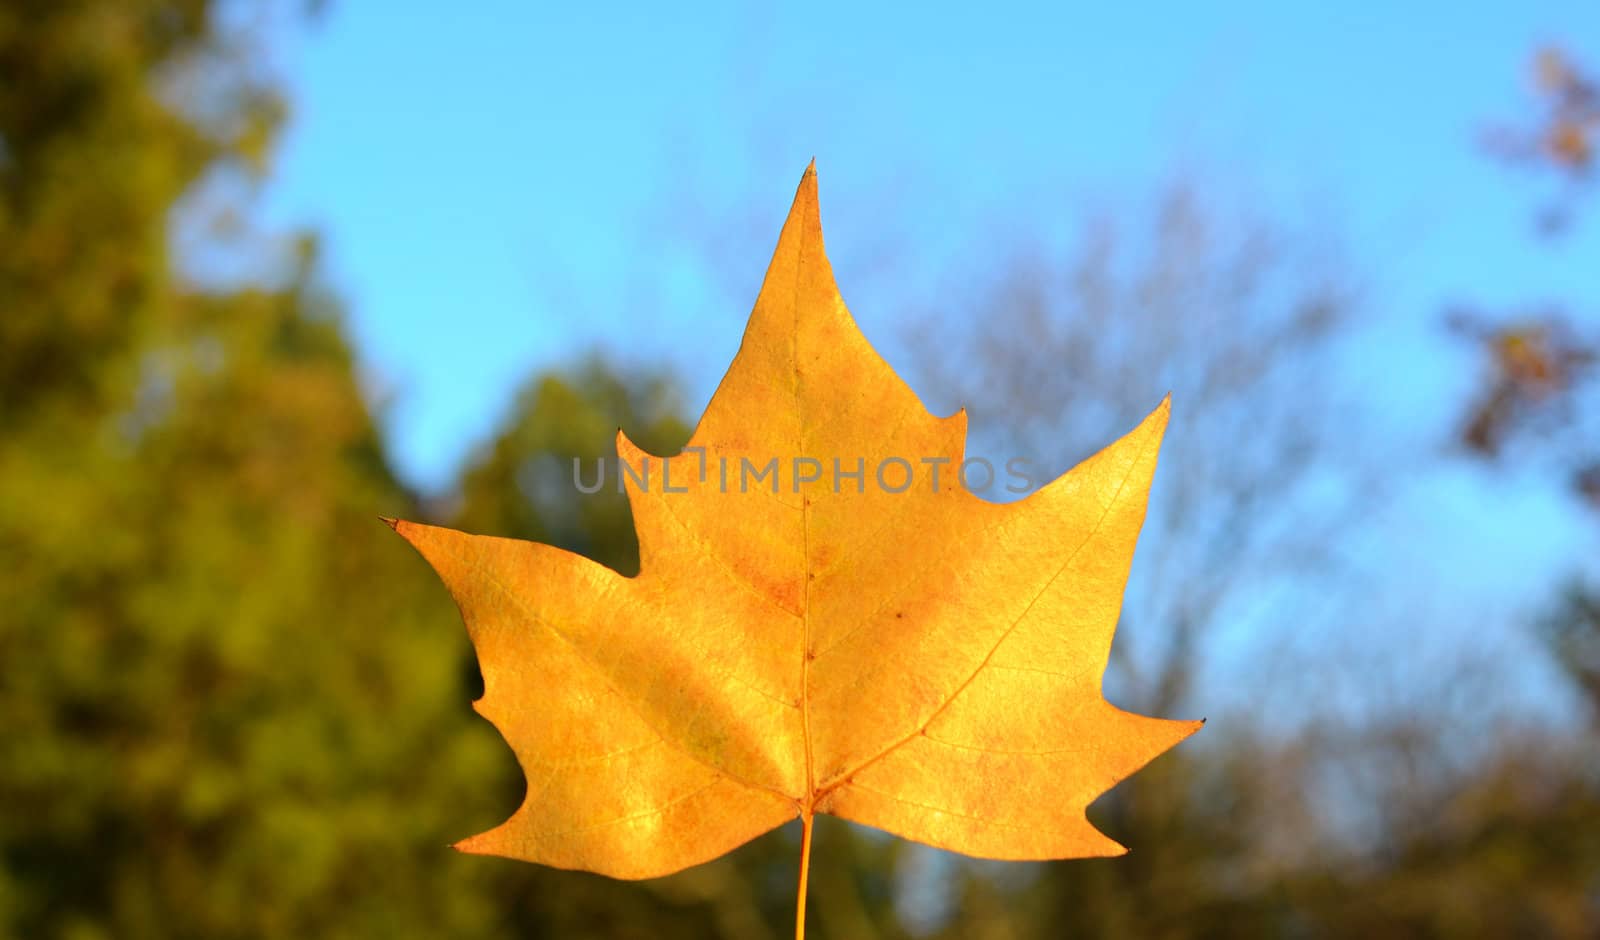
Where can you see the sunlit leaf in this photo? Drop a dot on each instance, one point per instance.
(888, 648)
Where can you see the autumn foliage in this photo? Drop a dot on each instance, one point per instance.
(910, 657)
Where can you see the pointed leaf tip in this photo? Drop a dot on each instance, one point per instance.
(808, 185)
(391, 522)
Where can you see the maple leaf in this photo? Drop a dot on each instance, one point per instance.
(888, 648)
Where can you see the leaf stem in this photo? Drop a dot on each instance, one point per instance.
(805, 867)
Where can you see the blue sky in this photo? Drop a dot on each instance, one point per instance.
(510, 185)
(497, 186)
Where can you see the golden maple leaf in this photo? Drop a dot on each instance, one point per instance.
(884, 647)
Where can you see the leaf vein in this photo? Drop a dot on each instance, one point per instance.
(916, 732)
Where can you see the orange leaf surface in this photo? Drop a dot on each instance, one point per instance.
(913, 658)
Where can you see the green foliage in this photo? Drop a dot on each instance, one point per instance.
(523, 485)
(92, 158)
(227, 712)
(222, 706)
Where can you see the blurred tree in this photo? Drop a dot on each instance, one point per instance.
(1537, 367)
(227, 713)
(1499, 836)
(1499, 846)
(93, 155)
(1267, 826)
(1560, 136)
(1573, 630)
(1511, 843)
(225, 716)
(1538, 402)
(523, 485)
(1239, 321)
(1541, 364)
